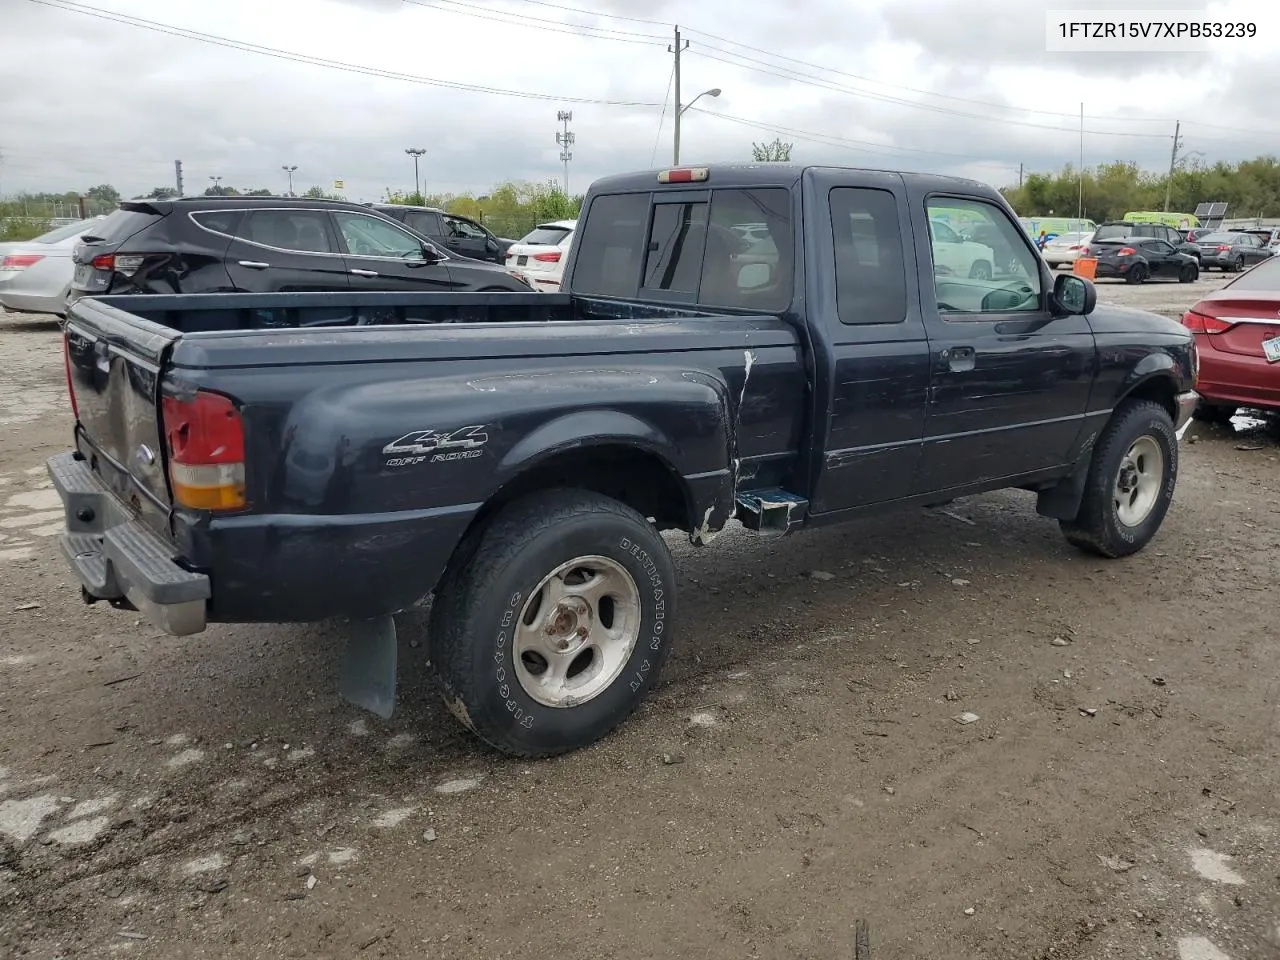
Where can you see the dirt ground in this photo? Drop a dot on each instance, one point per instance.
(800, 770)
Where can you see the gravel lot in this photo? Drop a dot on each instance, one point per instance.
(799, 771)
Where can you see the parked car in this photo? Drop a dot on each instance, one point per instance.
(1270, 236)
(1196, 233)
(955, 255)
(1136, 259)
(35, 275)
(540, 254)
(523, 473)
(1237, 331)
(1229, 250)
(266, 245)
(1123, 229)
(462, 235)
(1065, 248)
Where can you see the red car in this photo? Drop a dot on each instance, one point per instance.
(1237, 332)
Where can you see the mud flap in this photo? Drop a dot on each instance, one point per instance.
(368, 676)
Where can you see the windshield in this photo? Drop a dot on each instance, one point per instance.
(1265, 276)
(1114, 231)
(546, 236)
(68, 231)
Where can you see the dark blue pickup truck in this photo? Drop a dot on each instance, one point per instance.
(779, 344)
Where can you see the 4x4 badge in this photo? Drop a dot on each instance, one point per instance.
(464, 443)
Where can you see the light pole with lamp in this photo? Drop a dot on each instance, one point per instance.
(416, 152)
(713, 92)
(217, 184)
(287, 168)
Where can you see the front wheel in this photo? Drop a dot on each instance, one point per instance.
(1130, 482)
(1189, 274)
(1137, 273)
(553, 622)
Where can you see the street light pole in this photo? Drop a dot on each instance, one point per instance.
(217, 184)
(713, 92)
(289, 170)
(416, 152)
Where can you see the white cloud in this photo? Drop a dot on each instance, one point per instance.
(107, 101)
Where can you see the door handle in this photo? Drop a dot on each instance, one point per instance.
(960, 359)
(364, 273)
(254, 264)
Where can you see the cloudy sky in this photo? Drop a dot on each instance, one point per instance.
(956, 86)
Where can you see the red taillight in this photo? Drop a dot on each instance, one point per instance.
(1203, 323)
(20, 261)
(205, 438)
(1076, 247)
(1126, 252)
(71, 390)
(1223, 248)
(551, 257)
(103, 261)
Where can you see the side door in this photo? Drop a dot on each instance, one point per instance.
(1162, 258)
(468, 240)
(381, 255)
(285, 250)
(1009, 382)
(1256, 252)
(872, 354)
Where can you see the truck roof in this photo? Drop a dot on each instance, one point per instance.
(769, 174)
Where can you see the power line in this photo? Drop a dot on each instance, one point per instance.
(538, 23)
(653, 157)
(169, 29)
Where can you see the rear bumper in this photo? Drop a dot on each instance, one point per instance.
(1235, 379)
(1187, 403)
(117, 558)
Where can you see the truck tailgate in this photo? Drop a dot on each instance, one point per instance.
(113, 373)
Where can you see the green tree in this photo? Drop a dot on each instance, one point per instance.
(776, 152)
(260, 192)
(317, 193)
(160, 193)
(104, 193)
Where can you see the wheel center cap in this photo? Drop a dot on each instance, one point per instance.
(568, 623)
(1128, 478)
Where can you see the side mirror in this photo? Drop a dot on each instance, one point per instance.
(754, 275)
(431, 254)
(1074, 296)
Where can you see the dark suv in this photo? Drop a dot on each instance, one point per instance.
(266, 245)
(1120, 229)
(462, 235)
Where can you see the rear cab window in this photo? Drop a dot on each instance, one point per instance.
(870, 269)
(727, 248)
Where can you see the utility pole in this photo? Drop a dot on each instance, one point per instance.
(1080, 200)
(177, 175)
(677, 49)
(1019, 176)
(1173, 163)
(565, 140)
(416, 152)
(217, 185)
(289, 168)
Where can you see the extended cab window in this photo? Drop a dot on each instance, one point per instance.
(612, 247)
(747, 261)
(871, 275)
(981, 261)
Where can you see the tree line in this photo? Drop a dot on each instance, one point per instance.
(1250, 188)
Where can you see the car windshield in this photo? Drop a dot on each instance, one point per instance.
(66, 232)
(1113, 231)
(1265, 276)
(546, 235)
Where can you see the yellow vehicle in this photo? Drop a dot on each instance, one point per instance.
(1179, 221)
(1055, 226)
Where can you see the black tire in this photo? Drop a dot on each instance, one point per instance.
(981, 270)
(1237, 265)
(489, 588)
(1214, 412)
(1137, 273)
(1098, 528)
(1189, 274)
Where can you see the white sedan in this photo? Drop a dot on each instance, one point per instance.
(539, 255)
(35, 274)
(957, 256)
(1065, 248)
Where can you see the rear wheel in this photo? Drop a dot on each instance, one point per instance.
(1137, 273)
(1237, 264)
(1130, 483)
(553, 622)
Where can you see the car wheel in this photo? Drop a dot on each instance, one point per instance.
(1237, 264)
(1130, 482)
(1189, 274)
(1137, 273)
(553, 622)
(981, 270)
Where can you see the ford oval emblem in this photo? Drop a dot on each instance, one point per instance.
(145, 456)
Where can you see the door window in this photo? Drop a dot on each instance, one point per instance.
(299, 230)
(427, 223)
(1160, 247)
(464, 229)
(981, 261)
(371, 237)
(871, 276)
